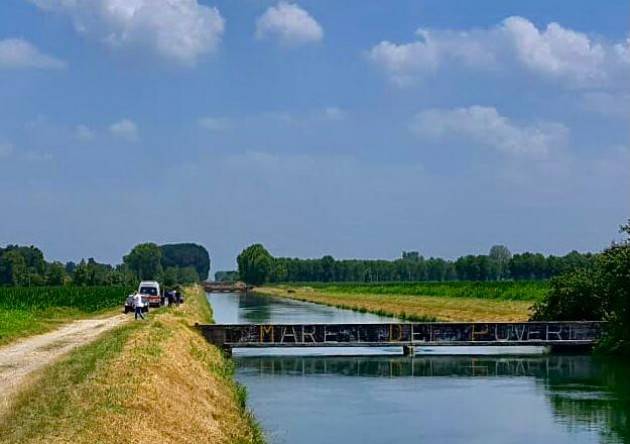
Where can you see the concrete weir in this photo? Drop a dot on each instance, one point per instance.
(556, 335)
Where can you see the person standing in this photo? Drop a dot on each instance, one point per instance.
(138, 304)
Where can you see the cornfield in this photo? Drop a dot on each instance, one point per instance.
(82, 298)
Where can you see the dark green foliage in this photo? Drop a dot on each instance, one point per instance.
(25, 266)
(572, 297)
(91, 273)
(601, 292)
(498, 265)
(226, 276)
(186, 255)
(21, 266)
(145, 261)
(255, 264)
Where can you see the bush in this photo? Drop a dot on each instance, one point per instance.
(601, 292)
(572, 298)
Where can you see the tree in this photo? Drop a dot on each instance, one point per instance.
(56, 274)
(187, 275)
(599, 292)
(500, 256)
(169, 276)
(328, 269)
(186, 255)
(226, 276)
(145, 261)
(13, 268)
(254, 264)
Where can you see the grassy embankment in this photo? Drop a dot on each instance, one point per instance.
(26, 311)
(144, 382)
(427, 301)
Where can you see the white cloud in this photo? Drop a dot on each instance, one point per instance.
(178, 30)
(83, 133)
(290, 24)
(125, 129)
(18, 53)
(485, 126)
(554, 52)
(214, 124)
(6, 149)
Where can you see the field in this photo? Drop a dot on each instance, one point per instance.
(32, 310)
(504, 290)
(453, 301)
(153, 381)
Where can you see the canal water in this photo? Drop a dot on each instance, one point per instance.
(320, 396)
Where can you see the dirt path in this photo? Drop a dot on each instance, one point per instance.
(20, 359)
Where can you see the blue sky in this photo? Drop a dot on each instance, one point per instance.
(354, 128)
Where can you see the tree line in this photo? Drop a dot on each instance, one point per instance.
(171, 264)
(257, 266)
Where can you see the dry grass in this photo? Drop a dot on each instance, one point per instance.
(146, 382)
(443, 308)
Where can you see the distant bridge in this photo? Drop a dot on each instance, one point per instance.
(226, 287)
(558, 335)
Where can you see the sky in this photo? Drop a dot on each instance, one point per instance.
(358, 128)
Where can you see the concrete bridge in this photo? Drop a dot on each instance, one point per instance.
(226, 287)
(558, 335)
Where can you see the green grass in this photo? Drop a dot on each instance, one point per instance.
(31, 310)
(504, 290)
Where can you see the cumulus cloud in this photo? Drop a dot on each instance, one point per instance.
(485, 126)
(289, 24)
(178, 30)
(554, 52)
(83, 133)
(18, 53)
(214, 124)
(125, 129)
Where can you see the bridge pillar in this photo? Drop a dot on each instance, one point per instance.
(409, 350)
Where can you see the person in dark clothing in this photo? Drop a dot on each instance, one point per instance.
(171, 297)
(178, 297)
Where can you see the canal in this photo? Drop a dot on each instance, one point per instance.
(321, 396)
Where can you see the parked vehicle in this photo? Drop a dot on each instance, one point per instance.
(129, 304)
(151, 289)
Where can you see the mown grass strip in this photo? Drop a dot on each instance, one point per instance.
(412, 308)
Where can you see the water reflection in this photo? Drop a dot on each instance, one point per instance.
(443, 399)
(585, 394)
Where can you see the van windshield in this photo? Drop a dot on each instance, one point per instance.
(151, 291)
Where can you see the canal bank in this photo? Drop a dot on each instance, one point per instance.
(411, 307)
(154, 381)
(316, 397)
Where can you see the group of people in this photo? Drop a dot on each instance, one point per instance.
(172, 296)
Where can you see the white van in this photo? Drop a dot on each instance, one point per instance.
(151, 291)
